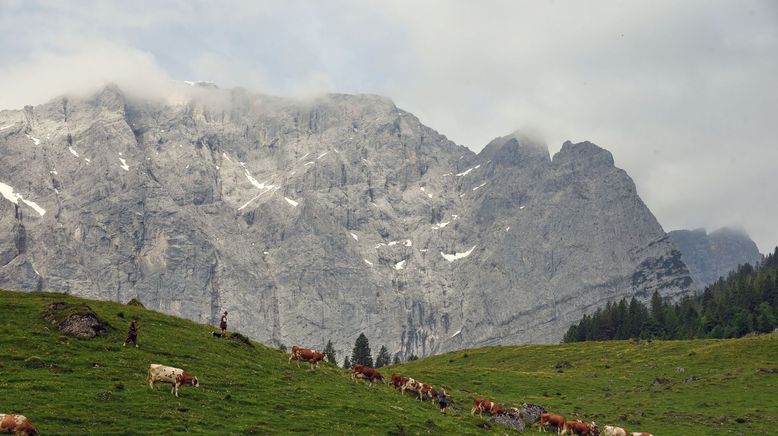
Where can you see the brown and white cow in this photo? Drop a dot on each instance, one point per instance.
(366, 372)
(552, 420)
(580, 428)
(17, 425)
(398, 381)
(481, 405)
(175, 376)
(610, 430)
(423, 390)
(307, 355)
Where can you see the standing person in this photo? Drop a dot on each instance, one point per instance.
(443, 399)
(132, 334)
(223, 324)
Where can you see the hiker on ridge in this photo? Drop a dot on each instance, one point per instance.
(223, 324)
(132, 334)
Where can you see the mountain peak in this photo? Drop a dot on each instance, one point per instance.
(583, 153)
(515, 149)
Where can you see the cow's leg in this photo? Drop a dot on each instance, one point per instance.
(472, 411)
(175, 386)
(151, 383)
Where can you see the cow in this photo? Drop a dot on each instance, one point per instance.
(580, 428)
(640, 433)
(552, 420)
(409, 385)
(175, 376)
(307, 355)
(362, 371)
(398, 381)
(17, 425)
(516, 413)
(481, 405)
(611, 430)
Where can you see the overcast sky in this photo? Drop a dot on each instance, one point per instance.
(683, 93)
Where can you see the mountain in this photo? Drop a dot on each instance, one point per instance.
(714, 255)
(320, 219)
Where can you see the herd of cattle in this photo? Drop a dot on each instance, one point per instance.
(19, 425)
(423, 391)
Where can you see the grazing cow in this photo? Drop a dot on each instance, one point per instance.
(481, 405)
(362, 371)
(17, 425)
(580, 428)
(614, 431)
(399, 381)
(175, 376)
(307, 355)
(552, 420)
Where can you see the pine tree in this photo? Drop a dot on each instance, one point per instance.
(396, 360)
(361, 352)
(329, 351)
(382, 359)
(346, 363)
(413, 357)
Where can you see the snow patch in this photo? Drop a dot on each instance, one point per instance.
(73, 152)
(457, 333)
(399, 265)
(479, 186)
(408, 243)
(356, 238)
(290, 201)
(322, 155)
(309, 163)
(6, 127)
(368, 262)
(464, 173)
(10, 195)
(256, 183)
(35, 140)
(124, 165)
(226, 157)
(440, 225)
(507, 229)
(304, 156)
(53, 172)
(456, 256)
(87, 160)
(522, 207)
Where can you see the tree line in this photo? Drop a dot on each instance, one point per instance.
(744, 302)
(361, 354)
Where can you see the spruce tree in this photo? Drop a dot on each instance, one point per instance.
(396, 360)
(382, 359)
(361, 352)
(329, 351)
(346, 363)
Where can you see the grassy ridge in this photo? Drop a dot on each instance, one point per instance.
(97, 386)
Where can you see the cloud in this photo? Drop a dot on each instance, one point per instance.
(682, 94)
(82, 71)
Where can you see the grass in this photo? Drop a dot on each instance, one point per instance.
(72, 386)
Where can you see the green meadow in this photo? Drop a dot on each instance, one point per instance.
(95, 386)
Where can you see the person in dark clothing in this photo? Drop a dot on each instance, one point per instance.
(443, 399)
(223, 324)
(132, 334)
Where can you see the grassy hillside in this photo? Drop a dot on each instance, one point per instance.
(97, 386)
(638, 386)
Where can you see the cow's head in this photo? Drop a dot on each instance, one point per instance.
(326, 359)
(195, 382)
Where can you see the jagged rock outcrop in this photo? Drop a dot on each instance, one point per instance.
(714, 255)
(319, 220)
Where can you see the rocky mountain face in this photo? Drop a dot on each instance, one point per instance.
(319, 220)
(714, 255)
